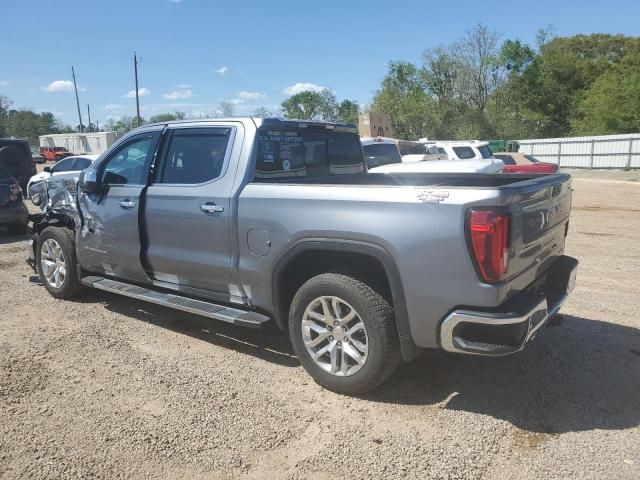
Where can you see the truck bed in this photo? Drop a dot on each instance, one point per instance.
(428, 180)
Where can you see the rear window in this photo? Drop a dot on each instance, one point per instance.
(464, 153)
(306, 153)
(378, 154)
(485, 151)
(59, 149)
(411, 148)
(531, 159)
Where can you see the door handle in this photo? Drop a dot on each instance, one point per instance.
(127, 204)
(211, 207)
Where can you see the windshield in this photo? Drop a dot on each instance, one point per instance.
(306, 153)
(378, 154)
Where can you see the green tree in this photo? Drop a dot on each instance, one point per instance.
(403, 95)
(167, 117)
(311, 105)
(347, 111)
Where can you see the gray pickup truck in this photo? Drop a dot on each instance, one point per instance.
(254, 221)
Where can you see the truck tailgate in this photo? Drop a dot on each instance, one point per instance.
(540, 218)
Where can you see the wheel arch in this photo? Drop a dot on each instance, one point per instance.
(324, 248)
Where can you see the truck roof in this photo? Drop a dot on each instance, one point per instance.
(274, 122)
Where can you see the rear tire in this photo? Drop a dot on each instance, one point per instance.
(56, 261)
(316, 330)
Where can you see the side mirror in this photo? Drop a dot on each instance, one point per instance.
(47, 169)
(88, 182)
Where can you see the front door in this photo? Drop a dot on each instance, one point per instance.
(187, 212)
(110, 235)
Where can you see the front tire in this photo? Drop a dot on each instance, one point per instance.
(56, 260)
(344, 333)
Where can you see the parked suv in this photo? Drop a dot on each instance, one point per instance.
(462, 150)
(15, 158)
(54, 154)
(13, 211)
(252, 221)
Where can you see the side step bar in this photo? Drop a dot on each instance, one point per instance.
(235, 316)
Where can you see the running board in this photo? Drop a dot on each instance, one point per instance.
(235, 316)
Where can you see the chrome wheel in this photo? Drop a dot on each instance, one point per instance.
(53, 263)
(335, 336)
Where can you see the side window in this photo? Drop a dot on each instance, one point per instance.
(81, 163)
(126, 166)
(345, 154)
(65, 165)
(195, 155)
(464, 152)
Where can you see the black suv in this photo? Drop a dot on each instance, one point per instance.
(15, 158)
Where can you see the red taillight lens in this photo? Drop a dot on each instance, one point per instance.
(489, 238)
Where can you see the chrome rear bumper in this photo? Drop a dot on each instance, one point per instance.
(509, 328)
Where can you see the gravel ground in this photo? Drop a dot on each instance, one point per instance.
(107, 387)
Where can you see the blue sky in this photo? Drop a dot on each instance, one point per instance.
(196, 53)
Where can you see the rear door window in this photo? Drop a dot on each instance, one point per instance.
(195, 155)
(464, 153)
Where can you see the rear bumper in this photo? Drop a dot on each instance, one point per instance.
(508, 328)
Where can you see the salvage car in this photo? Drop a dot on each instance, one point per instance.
(516, 162)
(252, 221)
(74, 164)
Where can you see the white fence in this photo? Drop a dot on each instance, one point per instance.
(605, 151)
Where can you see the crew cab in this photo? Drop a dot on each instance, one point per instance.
(253, 221)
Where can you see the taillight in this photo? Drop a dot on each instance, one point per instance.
(489, 243)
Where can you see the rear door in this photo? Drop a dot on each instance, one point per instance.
(187, 212)
(110, 236)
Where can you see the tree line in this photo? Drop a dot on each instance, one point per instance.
(479, 87)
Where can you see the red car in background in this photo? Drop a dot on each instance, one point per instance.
(516, 162)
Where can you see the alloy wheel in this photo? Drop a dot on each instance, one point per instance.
(53, 263)
(335, 336)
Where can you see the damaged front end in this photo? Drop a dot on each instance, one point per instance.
(56, 197)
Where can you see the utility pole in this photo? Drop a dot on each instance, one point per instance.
(135, 69)
(89, 115)
(75, 86)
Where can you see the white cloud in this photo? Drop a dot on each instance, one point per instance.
(236, 101)
(176, 94)
(175, 1)
(302, 87)
(222, 71)
(245, 95)
(142, 92)
(183, 85)
(4, 83)
(112, 106)
(61, 86)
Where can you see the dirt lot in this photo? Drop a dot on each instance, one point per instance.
(110, 387)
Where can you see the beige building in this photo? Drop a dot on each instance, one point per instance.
(372, 124)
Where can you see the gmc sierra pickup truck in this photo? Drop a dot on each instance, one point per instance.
(252, 221)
